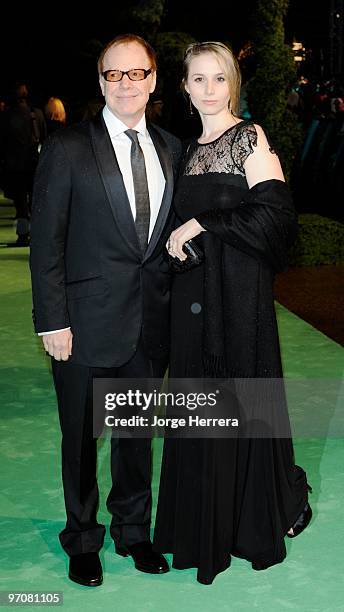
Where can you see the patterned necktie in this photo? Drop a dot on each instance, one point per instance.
(138, 167)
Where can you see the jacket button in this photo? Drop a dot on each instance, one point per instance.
(196, 308)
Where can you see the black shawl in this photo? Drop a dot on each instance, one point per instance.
(250, 242)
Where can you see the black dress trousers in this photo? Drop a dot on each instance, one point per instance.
(130, 498)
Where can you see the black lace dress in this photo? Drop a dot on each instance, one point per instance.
(223, 497)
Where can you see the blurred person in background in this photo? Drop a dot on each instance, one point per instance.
(55, 114)
(23, 131)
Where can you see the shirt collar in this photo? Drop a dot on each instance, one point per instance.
(116, 127)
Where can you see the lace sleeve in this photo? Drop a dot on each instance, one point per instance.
(242, 145)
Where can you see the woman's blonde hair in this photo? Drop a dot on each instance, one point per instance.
(55, 110)
(228, 63)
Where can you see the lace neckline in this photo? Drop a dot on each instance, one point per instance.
(204, 144)
(226, 154)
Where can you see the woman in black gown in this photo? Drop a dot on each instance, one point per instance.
(223, 497)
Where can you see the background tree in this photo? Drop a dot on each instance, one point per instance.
(274, 76)
(148, 21)
(170, 47)
(147, 15)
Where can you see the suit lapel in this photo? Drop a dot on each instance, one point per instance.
(113, 182)
(165, 159)
(115, 189)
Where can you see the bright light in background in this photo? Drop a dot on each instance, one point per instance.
(299, 51)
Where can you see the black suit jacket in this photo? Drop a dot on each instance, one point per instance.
(87, 268)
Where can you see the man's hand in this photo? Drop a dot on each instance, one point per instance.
(185, 232)
(59, 344)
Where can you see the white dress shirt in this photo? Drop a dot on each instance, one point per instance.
(122, 146)
(155, 176)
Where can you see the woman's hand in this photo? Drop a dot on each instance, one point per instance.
(185, 232)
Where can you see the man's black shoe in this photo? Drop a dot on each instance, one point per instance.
(145, 559)
(86, 569)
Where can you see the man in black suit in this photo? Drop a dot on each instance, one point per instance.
(101, 218)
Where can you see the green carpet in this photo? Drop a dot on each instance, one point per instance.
(32, 508)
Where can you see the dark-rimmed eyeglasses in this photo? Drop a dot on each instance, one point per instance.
(135, 74)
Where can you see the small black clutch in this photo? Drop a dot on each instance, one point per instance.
(194, 258)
